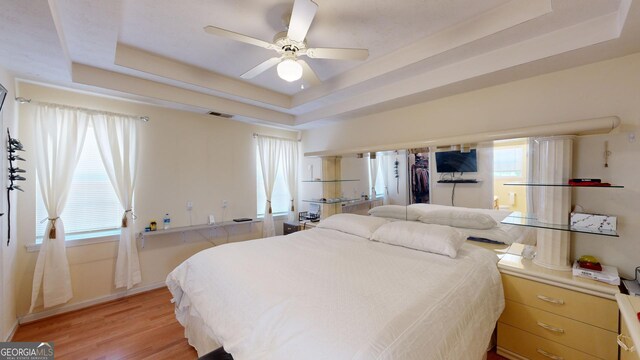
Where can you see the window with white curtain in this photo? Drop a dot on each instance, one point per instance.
(280, 199)
(92, 206)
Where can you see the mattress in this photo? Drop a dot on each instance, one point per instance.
(323, 294)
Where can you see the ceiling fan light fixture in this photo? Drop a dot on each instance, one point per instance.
(289, 70)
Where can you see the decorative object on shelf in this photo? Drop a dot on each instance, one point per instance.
(13, 146)
(593, 221)
(589, 262)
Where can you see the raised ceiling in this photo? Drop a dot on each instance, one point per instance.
(156, 50)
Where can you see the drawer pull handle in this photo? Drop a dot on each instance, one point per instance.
(549, 355)
(550, 328)
(623, 345)
(551, 300)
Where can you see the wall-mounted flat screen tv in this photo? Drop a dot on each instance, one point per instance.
(456, 161)
(3, 94)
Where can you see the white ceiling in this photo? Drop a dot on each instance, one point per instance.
(419, 49)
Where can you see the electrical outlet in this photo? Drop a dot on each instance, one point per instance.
(189, 205)
(225, 204)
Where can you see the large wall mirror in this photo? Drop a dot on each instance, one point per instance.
(463, 175)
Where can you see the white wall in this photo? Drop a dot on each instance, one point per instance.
(595, 90)
(184, 157)
(8, 117)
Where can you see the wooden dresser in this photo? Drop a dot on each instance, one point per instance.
(554, 315)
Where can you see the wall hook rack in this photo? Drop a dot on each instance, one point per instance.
(13, 147)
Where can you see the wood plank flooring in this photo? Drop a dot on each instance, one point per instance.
(142, 326)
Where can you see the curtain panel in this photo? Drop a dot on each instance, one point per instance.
(59, 138)
(117, 138)
(290, 167)
(269, 150)
(60, 132)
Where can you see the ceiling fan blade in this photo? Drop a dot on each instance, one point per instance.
(338, 54)
(301, 17)
(308, 75)
(237, 37)
(261, 68)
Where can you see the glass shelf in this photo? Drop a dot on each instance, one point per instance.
(566, 185)
(329, 202)
(524, 219)
(329, 181)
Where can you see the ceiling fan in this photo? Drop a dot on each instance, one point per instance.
(290, 45)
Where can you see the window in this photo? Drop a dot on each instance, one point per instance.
(508, 161)
(379, 185)
(92, 205)
(280, 199)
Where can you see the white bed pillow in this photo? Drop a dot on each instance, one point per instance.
(437, 239)
(497, 215)
(458, 218)
(400, 212)
(359, 225)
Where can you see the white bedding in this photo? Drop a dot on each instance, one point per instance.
(322, 294)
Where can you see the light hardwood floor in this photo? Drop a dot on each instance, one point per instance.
(142, 326)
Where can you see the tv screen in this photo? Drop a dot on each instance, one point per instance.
(456, 161)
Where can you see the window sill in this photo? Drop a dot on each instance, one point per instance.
(72, 240)
(278, 216)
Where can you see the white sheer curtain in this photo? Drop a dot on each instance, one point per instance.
(384, 167)
(290, 166)
(533, 171)
(117, 138)
(269, 149)
(59, 137)
(373, 174)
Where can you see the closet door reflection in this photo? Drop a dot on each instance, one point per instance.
(419, 176)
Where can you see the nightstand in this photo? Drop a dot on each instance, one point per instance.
(551, 314)
(290, 227)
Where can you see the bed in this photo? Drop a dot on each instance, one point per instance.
(328, 294)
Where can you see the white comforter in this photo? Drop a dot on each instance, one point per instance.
(323, 294)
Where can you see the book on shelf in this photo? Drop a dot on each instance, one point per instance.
(609, 274)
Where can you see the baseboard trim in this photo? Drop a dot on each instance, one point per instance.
(87, 303)
(13, 331)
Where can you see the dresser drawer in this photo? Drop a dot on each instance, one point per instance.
(534, 347)
(624, 337)
(575, 305)
(575, 334)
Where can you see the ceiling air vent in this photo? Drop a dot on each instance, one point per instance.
(215, 113)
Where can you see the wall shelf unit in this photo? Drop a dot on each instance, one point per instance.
(330, 201)
(529, 220)
(524, 219)
(331, 187)
(567, 185)
(184, 229)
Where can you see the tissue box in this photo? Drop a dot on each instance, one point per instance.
(593, 221)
